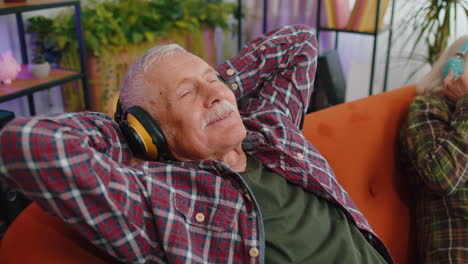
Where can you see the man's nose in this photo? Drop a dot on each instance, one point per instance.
(212, 93)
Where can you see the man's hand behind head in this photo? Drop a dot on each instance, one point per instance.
(456, 88)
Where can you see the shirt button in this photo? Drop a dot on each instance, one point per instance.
(248, 197)
(200, 217)
(253, 252)
(300, 155)
(234, 86)
(282, 167)
(262, 47)
(230, 72)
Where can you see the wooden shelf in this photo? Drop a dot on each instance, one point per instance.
(374, 34)
(385, 28)
(31, 5)
(25, 83)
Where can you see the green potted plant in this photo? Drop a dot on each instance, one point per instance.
(39, 66)
(116, 32)
(431, 23)
(45, 50)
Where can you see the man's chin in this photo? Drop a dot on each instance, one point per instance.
(227, 136)
(233, 137)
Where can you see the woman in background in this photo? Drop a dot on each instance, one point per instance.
(434, 152)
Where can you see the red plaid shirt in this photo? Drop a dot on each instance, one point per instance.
(78, 166)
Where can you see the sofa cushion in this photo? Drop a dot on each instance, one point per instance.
(359, 140)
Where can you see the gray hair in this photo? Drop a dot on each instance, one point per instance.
(432, 82)
(134, 85)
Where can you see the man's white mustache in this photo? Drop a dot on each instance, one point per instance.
(219, 111)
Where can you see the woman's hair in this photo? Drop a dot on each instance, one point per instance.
(134, 85)
(432, 82)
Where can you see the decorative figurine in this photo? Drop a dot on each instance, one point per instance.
(9, 68)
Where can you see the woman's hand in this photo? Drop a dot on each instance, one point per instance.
(455, 89)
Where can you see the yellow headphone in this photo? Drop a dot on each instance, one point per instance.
(142, 133)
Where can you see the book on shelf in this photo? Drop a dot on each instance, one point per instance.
(368, 21)
(342, 13)
(356, 15)
(337, 13)
(364, 14)
(330, 14)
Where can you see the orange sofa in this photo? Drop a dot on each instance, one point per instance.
(358, 139)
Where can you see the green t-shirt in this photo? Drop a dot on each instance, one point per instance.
(301, 227)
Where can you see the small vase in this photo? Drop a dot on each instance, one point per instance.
(40, 70)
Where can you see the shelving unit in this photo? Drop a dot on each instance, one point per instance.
(372, 34)
(26, 84)
(337, 31)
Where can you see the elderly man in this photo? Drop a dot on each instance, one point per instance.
(223, 184)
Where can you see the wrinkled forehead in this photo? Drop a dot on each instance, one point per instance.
(164, 74)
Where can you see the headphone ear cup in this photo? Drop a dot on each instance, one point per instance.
(133, 139)
(145, 133)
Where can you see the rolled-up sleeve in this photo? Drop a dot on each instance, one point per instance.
(278, 68)
(77, 166)
(435, 137)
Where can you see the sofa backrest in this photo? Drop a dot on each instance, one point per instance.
(359, 140)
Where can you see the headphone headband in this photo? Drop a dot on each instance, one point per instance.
(118, 111)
